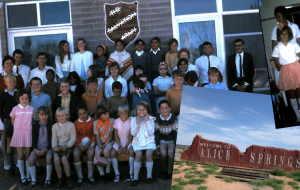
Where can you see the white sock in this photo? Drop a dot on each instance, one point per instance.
(101, 171)
(21, 168)
(131, 163)
(27, 170)
(115, 166)
(49, 169)
(149, 166)
(90, 166)
(137, 167)
(108, 166)
(32, 173)
(78, 170)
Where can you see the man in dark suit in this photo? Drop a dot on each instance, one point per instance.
(240, 69)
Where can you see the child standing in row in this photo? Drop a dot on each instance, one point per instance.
(174, 94)
(76, 85)
(41, 145)
(138, 94)
(63, 60)
(21, 118)
(157, 56)
(123, 140)
(140, 57)
(171, 57)
(138, 70)
(94, 71)
(214, 76)
(142, 130)
(101, 58)
(51, 87)
(148, 92)
(191, 78)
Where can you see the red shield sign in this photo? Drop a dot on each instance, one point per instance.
(121, 21)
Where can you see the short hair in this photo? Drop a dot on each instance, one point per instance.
(101, 109)
(43, 109)
(114, 64)
(142, 76)
(62, 110)
(172, 40)
(17, 51)
(117, 85)
(35, 78)
(125, 108)
(8, 57)
(163, 102)
(155, 38)
(282, 10)
(183, 50)
(91, 80)
(80, 39)
(177, 73)
(64, 80)
(81, 107)
(191, 76)
(285, 28)
(75, 75)
(137, 83)
(238, 40)
(21, 93)
(212, 70)
(119, 40)
(180, 61)
(50, 70)
(144, 104)
(41, 54)
(10, 76)
(138, 41)
(206, 44)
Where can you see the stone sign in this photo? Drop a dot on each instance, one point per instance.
(121, 21)
(258, 157)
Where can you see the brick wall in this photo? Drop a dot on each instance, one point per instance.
(3, 39)
(88, 22)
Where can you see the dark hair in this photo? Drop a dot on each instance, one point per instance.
(119, 40)
(206, 44)
(80, 39)
(182, 60)
(183, 50)
(50, 70)
(21, 93)
(17, 51)
(64, 80)
(191, 76)
(7, 57)
(177, 73)
(91, 80)
(137, 83)
(138, 41)
(41, 54)
(136, 68)
(74, 75)
(95, 71)
(142, 76)
(285, 28)
(282, 10)
(163, 102)
(220, 77)
(117, 85)
(114, 64)
(238, 40)
(172, 40)
(81, 107)
(61, 51)
(155, 38)
(144, 104)
(101, 109)
(212, 70)
(106, 54)
(35, 78)
(43, 109)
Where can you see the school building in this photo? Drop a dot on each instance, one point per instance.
(35, 26)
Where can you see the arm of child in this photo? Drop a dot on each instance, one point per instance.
(54, 138)
(117, 139)
(72, 136)
(108, 140)
(277, 64)
(124, 88)
(102, 86)
(57, 67)
(135, 125)
(150, 126)
(156, 138)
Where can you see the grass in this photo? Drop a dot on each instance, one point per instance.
(186, 169)
(179, 162)
(177, 179)
(189, 176)
(293, 184)
(229, 180)
(255, 189)
(181, 181)
(176, 172)
(211, 171)
(211, 166)
(176, 169)
(276, 183)
(278, 172)
(202, 188)
(294, 175)
(196, 181)
(176, 187)
(200, 174)
(191, 164)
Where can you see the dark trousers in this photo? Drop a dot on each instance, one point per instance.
(241, 81)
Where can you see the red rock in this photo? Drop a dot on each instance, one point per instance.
(269, 158)
(290, 160)
(246, 158)
(279, 158)
(214, 149)
(186, 155)
(203, 150)
(224, 154)
(235, 156)
(259, 156)
(194, 148)
(297, 167)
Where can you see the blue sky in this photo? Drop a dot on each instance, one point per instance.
(242, 119)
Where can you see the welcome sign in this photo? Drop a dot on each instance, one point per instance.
(258, 157)
(121, 21)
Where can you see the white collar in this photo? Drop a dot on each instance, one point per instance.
(242, 54)
(10, 91)
(139, 53)
(62, 124)
(41, 70)
(211, 84)
(89, 119)
(196, 83)
(22, 106)
(167, 119)
(118, 79)
(205, 57)
(4, 73)
(155, 51)
(120, 53)
(160, 77)
(15, 66)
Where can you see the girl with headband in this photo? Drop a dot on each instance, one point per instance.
(101, 58)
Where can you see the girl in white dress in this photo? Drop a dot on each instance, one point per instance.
(63, 60)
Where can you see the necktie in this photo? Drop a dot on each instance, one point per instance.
(17, 69)
(241, 69)
(208, 63)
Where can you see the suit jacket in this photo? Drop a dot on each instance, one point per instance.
(74, 101)
(248, 70)
(36, 133)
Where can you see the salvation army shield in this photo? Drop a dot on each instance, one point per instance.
(121, 21)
